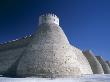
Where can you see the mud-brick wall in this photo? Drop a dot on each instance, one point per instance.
(10, 54)
(94, 63)
(8, 58)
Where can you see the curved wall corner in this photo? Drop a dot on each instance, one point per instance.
(104, 65)
(108, 62)
(94, 63)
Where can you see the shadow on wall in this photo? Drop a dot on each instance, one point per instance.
(94, 63)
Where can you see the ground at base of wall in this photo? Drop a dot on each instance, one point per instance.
(83, 78)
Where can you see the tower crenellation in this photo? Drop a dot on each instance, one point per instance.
(48, 19)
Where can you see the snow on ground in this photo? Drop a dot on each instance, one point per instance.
(83, 78)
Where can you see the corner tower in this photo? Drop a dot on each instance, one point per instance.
(50, 53)
(48, 19)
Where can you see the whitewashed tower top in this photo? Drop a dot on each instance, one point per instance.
(48, 19)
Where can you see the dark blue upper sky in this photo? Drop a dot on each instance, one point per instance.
(85, 22)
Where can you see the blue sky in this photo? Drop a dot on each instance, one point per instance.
(85, 22)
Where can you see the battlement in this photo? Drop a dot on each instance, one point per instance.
(48, 18)
(17, 43)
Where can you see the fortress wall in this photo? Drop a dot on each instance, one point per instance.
(15, 44)
(94, 63)
(83, 62)
(8, 58)
(50, 53)
(108, 62)
(104, 65)
(10, 52)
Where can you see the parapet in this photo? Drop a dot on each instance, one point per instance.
(48, 19)
(17, 43)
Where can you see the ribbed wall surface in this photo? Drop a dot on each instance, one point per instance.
(108, 62)
(94, 63)
(104, 65)
(83, 62)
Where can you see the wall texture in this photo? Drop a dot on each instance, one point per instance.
(49, 52)
(82, 60)
(9, 55)
(108, 62)
(104, 65)
(94, 63)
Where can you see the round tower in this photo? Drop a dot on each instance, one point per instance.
(49, 53)
(48, 19)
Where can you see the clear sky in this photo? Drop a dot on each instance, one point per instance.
(85, 22)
